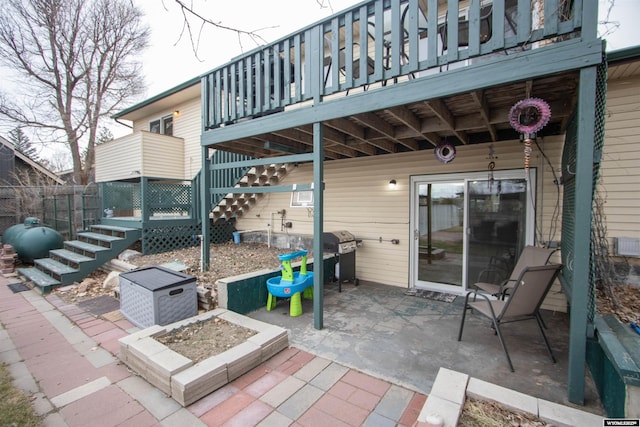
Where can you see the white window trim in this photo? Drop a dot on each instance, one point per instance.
(161, 120)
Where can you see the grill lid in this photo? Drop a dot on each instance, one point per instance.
(339, 241)
(340, 236)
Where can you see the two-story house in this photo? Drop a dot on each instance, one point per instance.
(445, 135)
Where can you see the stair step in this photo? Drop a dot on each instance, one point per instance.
(84, 246)
(38, 277)
(99, 237)
(54, 266)
(74, 257)
(112, 228)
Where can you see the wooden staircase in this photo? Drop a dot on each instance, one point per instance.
(79, 257)
(238, 204)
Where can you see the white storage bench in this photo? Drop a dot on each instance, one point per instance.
(157, 296)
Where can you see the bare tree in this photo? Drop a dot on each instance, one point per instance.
(74, 62)
(194, 21)
(31, 187)
(57, 160)
(607, 26)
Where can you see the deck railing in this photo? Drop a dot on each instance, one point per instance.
(381, 42)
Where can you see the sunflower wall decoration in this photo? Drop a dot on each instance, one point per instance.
(528, 117)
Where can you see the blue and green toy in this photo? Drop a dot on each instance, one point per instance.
(293, 285)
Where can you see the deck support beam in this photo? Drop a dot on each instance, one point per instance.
(318, 208)
(581, 235)
(205, 206)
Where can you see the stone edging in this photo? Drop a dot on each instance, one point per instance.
(450, 389)
(186, 382)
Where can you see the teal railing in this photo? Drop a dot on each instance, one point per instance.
(379, 42)
(228, 177)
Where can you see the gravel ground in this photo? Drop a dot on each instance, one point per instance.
(623, 301)
(204, 339)
(227, 259)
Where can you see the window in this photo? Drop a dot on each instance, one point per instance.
(163, 126)
(302, 199)
(167, 126)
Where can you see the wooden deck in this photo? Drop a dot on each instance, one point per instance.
(434, 71)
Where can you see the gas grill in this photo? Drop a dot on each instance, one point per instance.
(343, 245)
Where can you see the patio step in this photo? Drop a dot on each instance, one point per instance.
(53, 268)
(113, 230)
(39, 278)
(79, 258)
(70, 258)
(84, 248)
(98, 238)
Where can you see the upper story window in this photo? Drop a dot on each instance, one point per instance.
(163, 126)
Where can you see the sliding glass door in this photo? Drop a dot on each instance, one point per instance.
(468, 225)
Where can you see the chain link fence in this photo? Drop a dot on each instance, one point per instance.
(568, 205)
(66, 209)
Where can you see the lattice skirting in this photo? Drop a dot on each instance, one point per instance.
(164, 239)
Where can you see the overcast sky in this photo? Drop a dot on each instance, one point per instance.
(171, 61)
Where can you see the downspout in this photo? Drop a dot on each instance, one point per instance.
(123, 124)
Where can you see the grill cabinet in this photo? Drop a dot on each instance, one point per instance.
(343, 244)
(157, 296)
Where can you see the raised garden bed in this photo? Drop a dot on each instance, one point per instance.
(186, 381)
(613, 357)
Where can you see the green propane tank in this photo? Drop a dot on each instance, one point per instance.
(32, 240)
(9, 235)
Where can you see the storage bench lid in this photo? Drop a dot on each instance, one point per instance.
(157, 278)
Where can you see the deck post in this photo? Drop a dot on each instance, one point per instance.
(582, 235)
(318, 207)
(144, 204)
(205, 203)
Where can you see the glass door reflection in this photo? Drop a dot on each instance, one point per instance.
(441, 232)
(497, 212)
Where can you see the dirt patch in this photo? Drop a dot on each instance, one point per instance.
(227, 259)
(201, 340)
(491, 414)
(623, 302)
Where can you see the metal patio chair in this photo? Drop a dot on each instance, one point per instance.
(531, 255)
(527, 294)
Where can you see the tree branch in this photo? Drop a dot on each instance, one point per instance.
(188, 11)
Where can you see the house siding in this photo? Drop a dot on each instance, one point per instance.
(157, 162)
(140, 154)
(620, 175)
(186, 125)
(118, 158)
(357, 199)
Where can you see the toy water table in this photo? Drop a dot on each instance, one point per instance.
(292, 285)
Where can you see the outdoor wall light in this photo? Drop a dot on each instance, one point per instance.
(176, 113)
(392, 184)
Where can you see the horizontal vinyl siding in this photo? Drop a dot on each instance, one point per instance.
(357, 199)
(119, 158)
(163, 156)
(620, 174)
(188, 127)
